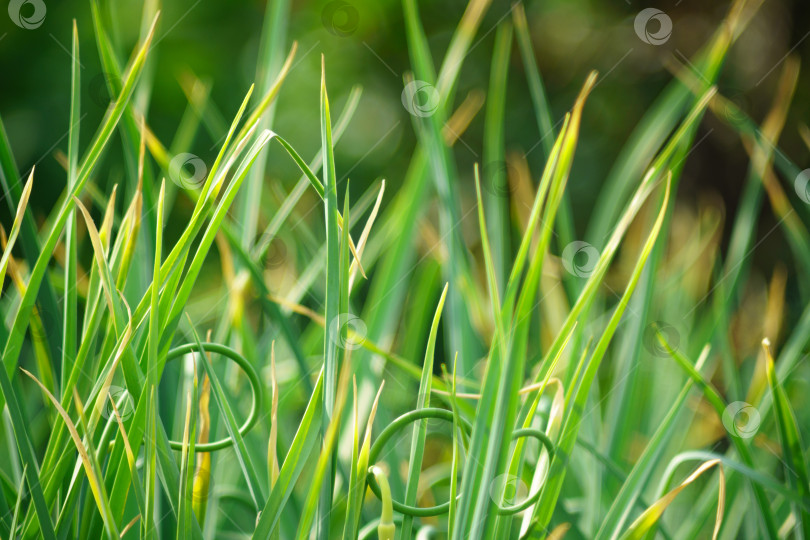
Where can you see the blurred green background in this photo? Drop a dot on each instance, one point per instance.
(364, 43)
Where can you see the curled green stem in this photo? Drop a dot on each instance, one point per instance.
(253, 378)
(386, 529)
(446, 415)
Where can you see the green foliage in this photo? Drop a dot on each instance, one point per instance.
(572, 392)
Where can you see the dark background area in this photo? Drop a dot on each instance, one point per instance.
(218, 42)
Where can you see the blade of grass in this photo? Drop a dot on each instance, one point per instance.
(719, 405)
(90, 468)
(454, 467)
(420, 429)
(650, 516)
(497, 196)
(15, 227)
(357, 489)
(18, 504)
(542, 112)
(502, 382)
(309, 172)
(27, 456)
(14, 344)
(756, 477)
(388, 289)
(232, 427)
(110, 292)
(460, 336)
(131, 458)
(69, 330)
(352, 512)
(186, 455)
(793, 452)
(12, 192)
(272, 444)
(306, 438)
(332, 300)
(152, 359)
(361, 244)
(631, 489)
(269, 63)
(319, 476)
(541, 511)
(650, 133)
